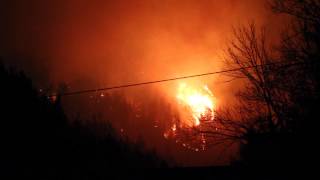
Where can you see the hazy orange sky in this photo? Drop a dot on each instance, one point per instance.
(123, 41)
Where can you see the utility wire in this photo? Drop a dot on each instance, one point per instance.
(170, 79)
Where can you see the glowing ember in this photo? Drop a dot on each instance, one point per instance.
(174, 127)
(198, 101)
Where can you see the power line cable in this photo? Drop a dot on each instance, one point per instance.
(166, 80)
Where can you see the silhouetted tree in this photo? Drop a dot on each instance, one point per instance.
(301, 43)
(279, 104)
(277, 111)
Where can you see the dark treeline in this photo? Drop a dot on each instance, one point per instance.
(38, 140)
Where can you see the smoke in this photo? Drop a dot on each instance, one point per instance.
(92, 44)
(117, 42)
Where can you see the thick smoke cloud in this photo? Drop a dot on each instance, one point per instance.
(122, 41)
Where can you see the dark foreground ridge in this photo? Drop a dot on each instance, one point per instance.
(37, 139)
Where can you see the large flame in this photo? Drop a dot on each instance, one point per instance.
(199, 102)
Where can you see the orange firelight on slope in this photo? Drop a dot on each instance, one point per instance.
(199, 102)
